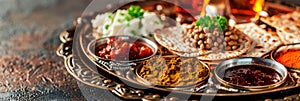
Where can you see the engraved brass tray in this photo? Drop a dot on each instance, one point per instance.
(79, 65)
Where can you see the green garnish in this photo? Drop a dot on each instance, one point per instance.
(111, 15)
(127, 18)
(128, 25)
(106, 27)
(216, 22)
(133, 32)
(119, 20)
(157, 22)
(135, 12)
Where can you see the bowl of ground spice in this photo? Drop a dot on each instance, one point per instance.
(288, 55)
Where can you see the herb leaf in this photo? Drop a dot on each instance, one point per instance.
(135, 11)
(212, 23)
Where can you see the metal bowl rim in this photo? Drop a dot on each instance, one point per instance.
(166, 86)
(253, 88)
(148, 42)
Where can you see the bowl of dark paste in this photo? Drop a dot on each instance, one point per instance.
(252, 74)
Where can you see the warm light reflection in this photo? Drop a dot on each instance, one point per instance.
(258, 6)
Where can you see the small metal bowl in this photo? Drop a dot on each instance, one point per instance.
(115, 64)
(284, 48)
(219, 71)
(185, 83)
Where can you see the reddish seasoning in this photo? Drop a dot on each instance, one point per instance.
(251, 75)
(122, 50)
(290, 58)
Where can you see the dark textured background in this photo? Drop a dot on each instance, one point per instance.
(29, 67)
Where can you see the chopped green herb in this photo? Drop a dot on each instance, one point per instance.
(216, 22)
(151, 34)
(106, 27)
(128, 25)
(127, 18)
(119, 20)
(133, 32)
(111, 16)
(135, 11)
(122, 14)
(157, 22)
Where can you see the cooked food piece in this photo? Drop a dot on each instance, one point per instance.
(215, 39)
(173, 72)
(290, 58)
(251, 75)
(264, 41)
(122, 50)
(133, 21)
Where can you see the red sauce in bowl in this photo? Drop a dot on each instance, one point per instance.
(123, 49)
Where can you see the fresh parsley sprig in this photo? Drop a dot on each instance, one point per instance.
(135, 12)
(212, 23)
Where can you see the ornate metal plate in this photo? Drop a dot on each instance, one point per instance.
(87, 71)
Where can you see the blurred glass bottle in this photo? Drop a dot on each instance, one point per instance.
(244, 10)
(216, 7)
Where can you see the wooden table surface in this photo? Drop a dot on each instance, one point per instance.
(29, 66)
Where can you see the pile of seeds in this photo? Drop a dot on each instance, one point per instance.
(215, 40)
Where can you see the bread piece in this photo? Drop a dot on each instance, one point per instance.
(287, 25)
(264, 41)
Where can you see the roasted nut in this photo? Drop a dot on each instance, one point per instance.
(216, 33)
(196, 37)
(189, 31)
(202, 36)
(228, 33)
(209, 35)
(219, 40)
(213, 38)
(193, 33)
(200, 42)
(228, 48)
(234, 47)
(200, 28)
(216, 29)
(209, 41)
(233, 37)
(207, 46)
(227, 39)
(240, 40)
(231, 43)
(202, 46)
(216, 44)
(194, 44)
(221, 46)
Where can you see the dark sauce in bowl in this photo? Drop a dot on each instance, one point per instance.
(252, 75)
